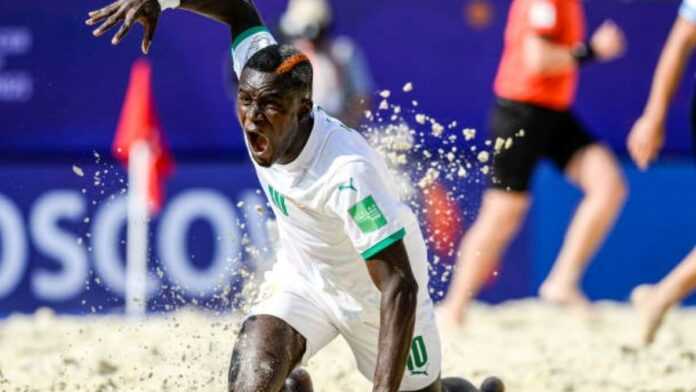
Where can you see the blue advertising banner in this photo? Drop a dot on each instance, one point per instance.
(62, 237)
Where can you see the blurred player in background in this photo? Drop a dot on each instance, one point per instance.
(351, 257)
(644, 144)
(535, 89)
(342, 81)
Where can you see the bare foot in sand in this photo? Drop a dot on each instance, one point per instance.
(568, 297)
(650, 312)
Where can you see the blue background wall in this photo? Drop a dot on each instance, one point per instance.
(79, 81)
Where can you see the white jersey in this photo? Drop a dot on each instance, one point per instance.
(336, 206)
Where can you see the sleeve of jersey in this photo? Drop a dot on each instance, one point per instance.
(688, 10)
(543, 17)
(247, 44)
(370, 214)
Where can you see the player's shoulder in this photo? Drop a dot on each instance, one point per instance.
(341, 143)
(343, 155)
(346, 156)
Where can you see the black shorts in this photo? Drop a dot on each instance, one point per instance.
(535, 133)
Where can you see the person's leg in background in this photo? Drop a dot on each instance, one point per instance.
(498, 221)
(503, 209)
(653, 302)
(594, 169)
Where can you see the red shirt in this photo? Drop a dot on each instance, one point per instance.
(562, 22)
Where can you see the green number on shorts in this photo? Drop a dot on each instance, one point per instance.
(418, 357)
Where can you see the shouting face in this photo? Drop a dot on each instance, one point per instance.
(272, 116)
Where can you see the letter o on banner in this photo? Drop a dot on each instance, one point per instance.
(13, 253)
(172, 240)
(106, 227)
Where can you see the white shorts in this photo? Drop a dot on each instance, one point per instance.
(301, 309)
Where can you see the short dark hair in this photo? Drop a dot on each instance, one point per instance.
(292, 67)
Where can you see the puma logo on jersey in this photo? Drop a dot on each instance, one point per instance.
(349, 186)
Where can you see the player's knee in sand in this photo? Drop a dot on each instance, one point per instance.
(266, 350)
(298, 381)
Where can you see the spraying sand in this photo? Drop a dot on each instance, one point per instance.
(531, 346)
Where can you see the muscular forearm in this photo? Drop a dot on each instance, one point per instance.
(397, 320)
(670, 68)
(240, 15)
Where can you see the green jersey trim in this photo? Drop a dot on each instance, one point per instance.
(382, 245)
(246, 34)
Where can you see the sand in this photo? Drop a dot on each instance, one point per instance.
(531, 346)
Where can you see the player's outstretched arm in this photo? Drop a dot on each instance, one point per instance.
(390, 270)
(646, 138)
(240, 15)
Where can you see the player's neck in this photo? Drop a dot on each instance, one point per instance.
(300, 141)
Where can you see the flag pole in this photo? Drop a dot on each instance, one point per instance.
(139, 163)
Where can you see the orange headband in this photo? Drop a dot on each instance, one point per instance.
(290, 63)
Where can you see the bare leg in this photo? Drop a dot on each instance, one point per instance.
(266, 351)
(653, 302)
(596, 172)
(499, 219)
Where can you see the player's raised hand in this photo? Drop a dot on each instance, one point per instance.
(146, 12)
(645, 141)
(608, 41)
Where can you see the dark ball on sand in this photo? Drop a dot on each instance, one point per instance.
(492, 384)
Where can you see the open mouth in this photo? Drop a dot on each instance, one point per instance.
(257, 142)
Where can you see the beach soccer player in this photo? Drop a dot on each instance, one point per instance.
(644, 144)
(353, 257)
(535, 88)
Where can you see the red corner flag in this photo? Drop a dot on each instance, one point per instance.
(139, 122)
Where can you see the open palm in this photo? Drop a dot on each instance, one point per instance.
(145, 12)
